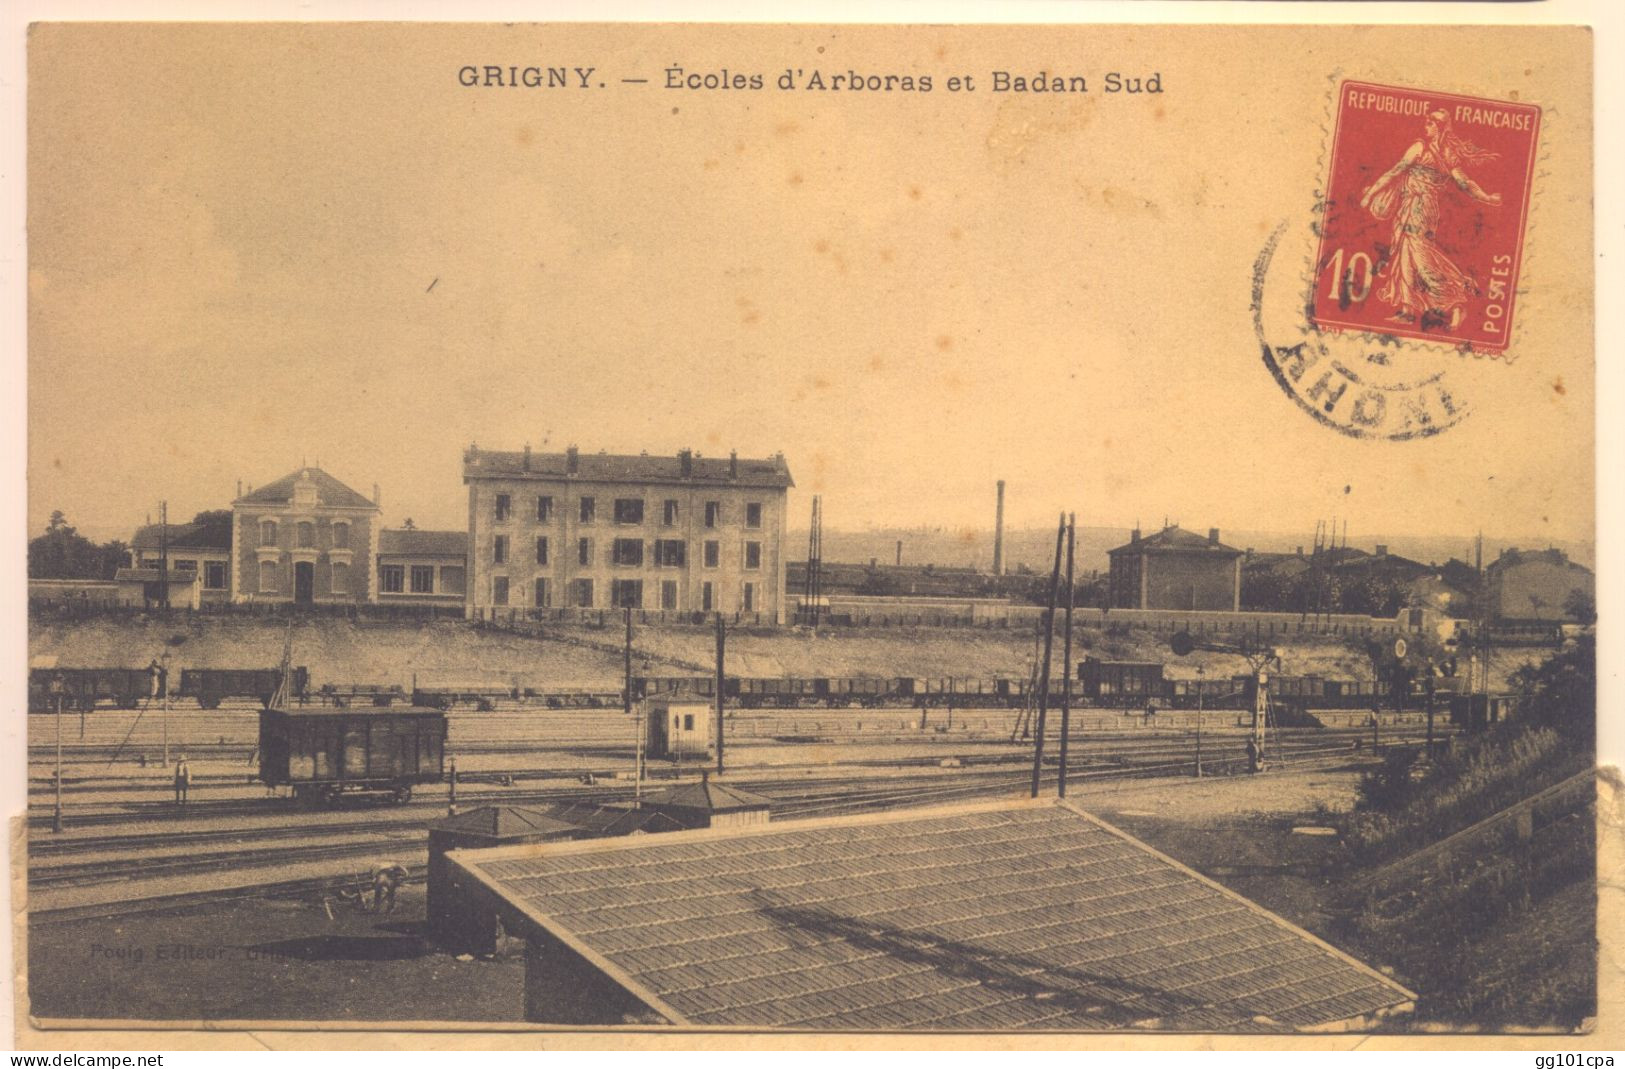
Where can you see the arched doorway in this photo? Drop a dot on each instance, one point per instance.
(304, 583)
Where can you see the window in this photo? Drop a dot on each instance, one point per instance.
(499, 590)
(589, 509)
(713, 554)
(713, 513)
(668, 594)
(705, 598)
(668, 513)
(544, 510)
(584, 552)
(544, 594)
(670, 553)
(341, 536)
(581, 593)
(541, 550)
(214, 575)
(423, 579)
(307, 535)
(268, 533)
(627, 551)
(688, 721)
(184, 565)
(750, 597)
(268, 577)
(753, 514)
(392, 578)
(753, 554)
(339, 579)
(504, 506)
(451, 579)
(626, 593)
(499, 550)
(629, 510)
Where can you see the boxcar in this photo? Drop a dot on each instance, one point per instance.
(1110, 682)
(322, 752)
(210, 685)
(82, 688)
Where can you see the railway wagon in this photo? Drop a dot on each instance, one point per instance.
(678, 729)
(211, 685)
(82, 688)
(1109, 682)
(323, 752)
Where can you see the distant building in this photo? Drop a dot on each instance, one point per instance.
(305, 538)
(680, 533)
(201, 549)
(1535, 585)
(422, 567)
(1176, 569)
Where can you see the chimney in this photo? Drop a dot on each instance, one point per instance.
(527, 456)
(899, 552)
(1300, 551)
(733, 464)
(685, 459)
(377, 498)
(239, 488)
(572, 460)
(1212, 536)
(1135, 537)
(998, 533)
(1382, 550)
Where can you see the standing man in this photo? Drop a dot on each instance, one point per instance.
(183, 780)
(1254, 763)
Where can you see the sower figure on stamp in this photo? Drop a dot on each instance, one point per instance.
(1423, 284)
(183, 780)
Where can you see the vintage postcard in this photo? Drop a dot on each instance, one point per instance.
(996, 535)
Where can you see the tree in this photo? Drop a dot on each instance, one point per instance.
(1561, 691)
(1580, 606)
(63, 553)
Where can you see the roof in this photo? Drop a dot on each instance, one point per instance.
(1515, 557)
(357, 710)
(609, 821)
(708, 796)
(990, 917)
(621, 468)
(329, 491)
(177, 576)
(1176, 540)
(423, 543)
(504, 821)
(183, 536)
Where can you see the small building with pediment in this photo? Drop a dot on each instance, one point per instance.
(307, 539)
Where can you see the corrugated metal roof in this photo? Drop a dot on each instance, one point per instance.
(423, 543)
(1004, 916)
(623, 468)
(329, 491)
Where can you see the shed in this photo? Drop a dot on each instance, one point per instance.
(1000, 916)
(461, 925)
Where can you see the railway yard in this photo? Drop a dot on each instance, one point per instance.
(249, 895)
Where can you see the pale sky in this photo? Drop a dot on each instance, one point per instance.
(255, 248)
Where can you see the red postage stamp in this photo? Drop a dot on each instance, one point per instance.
(1425, 207)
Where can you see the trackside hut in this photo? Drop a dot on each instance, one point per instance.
(1012, 915)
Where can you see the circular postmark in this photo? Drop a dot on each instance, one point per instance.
(1362, 385)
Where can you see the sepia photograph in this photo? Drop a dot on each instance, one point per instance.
(666, 530)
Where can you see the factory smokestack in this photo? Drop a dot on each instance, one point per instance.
(998, 533)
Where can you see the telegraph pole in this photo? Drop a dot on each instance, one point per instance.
(721, 646)
(163, 557)
(57, 687)
(1066, 648)
(1049, 643)
(1200, 672)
